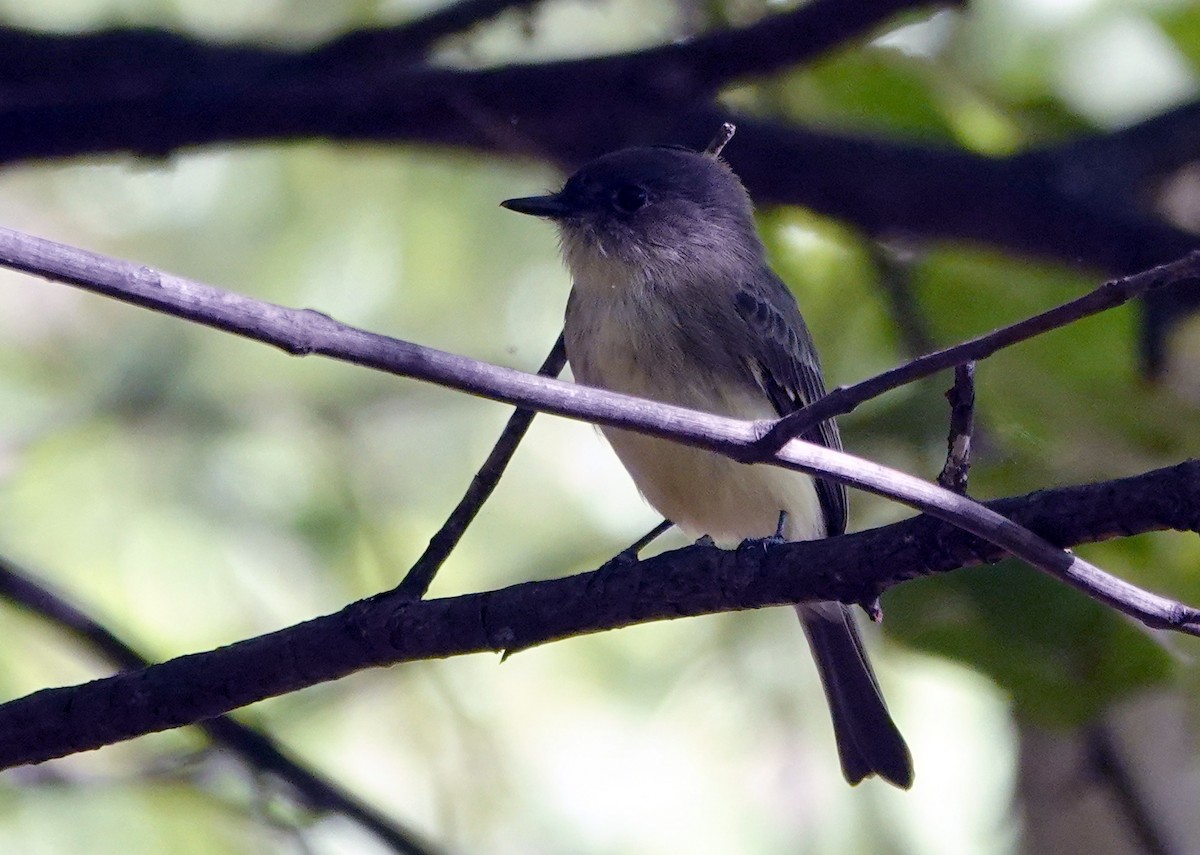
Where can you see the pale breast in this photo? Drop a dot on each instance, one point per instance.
(629, 341)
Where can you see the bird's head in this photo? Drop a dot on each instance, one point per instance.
(652, 213)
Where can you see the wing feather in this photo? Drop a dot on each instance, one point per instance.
(783, 361)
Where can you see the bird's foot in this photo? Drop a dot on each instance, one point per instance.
(770, 539)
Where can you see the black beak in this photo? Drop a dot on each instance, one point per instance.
(552, 206)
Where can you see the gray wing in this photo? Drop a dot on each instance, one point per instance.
(786, 366)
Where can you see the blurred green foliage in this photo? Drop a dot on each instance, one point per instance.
(193, 489)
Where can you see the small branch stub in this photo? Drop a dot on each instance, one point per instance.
(962, 426)
(724, 135)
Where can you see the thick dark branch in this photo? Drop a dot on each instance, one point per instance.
(691, 581)
(153, 92)
(255, 748)
(1129, 158)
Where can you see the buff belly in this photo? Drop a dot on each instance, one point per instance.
(706, 493)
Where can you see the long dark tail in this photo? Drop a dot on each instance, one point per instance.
(867, 739)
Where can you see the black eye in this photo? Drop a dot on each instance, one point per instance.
(628, 198)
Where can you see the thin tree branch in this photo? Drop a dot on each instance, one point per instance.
(1104, 754)
(895, 278)
(409, 41)
(634, 549)
(252, 746)
(303, 332)
(691, 581)
(419, 577)
(916, 339)
(1109, 295)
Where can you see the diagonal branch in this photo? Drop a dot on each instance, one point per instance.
(304, 332)
(419, 577)
(691, 581)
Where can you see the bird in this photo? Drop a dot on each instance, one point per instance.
(673, 300)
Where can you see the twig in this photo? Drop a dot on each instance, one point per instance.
(255, 748)
(303, 332)
(895, 276)
(722, 138)
(146, 103)
(1109, 295)
(691, 581)
(416, 582)
(962, 425)
(635, 548)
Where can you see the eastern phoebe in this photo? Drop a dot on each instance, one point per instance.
(673, 300)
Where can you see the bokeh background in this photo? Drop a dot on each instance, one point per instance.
(192, 489)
